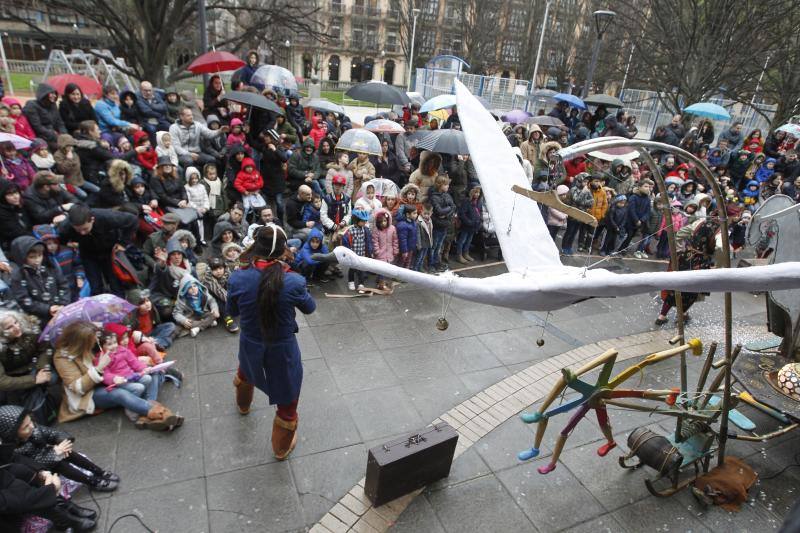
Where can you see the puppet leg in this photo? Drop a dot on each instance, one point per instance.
(562, 439)
(542, 420)
(605, 427)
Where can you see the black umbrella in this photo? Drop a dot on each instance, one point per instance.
(544, 120)
(254, 100)
(444, 142)
(603, 99)
(378, 92)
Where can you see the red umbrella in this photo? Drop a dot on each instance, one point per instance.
(88, 86)
(215, 61)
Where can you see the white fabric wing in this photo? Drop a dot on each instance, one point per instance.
(528, 245)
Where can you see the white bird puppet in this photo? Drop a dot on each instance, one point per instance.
(536, 279)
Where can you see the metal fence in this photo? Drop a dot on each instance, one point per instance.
(505, 94)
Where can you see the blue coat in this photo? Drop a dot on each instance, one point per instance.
(273, 366)
(638, 210)
(108, 115)
(305, 253)
(406, 232)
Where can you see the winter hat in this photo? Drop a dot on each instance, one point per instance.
(171, 218)
(45, 177)
(215, 262)
(137, 181)
(620, 198)
(37, 144)
(562, 189)
(45, 232)
(236, 122)
(215, 118)
(137, 296)
(139, 137)
(229, 245)
(11, 417)
(164, 161)
(360, 214)
(338, 179)
(65, 139)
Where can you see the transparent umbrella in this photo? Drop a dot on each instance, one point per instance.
(274, 76)
(360, 141)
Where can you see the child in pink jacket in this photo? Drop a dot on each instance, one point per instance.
(385, 245)
(126, 370)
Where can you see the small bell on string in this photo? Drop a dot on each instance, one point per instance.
(539, 342)
(442, 324)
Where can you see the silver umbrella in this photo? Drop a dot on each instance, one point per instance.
(360, 141)
(444, 142)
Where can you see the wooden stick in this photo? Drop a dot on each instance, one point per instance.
(462, 269)
(551, 199)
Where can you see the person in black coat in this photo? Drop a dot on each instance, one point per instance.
(214, 98)
(45, 201)
(42, 113)
(273, 156)
(36, 284)
(75, 108)
(98, 233)
(168, 188)
(128, 110)
(386, 165)
(14, 220)
(93, 153)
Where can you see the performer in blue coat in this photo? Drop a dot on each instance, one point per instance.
(264, 294)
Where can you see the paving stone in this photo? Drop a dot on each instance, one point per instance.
(418, 516)
(175, 507)
(485, 318)
(106, 423)
(217, 395)
(325, 424)
(500, 447)
(393, 333)
(434, 396)
(519, 345)
(468, 465)
(601, 524)
(308, 344)
(426, 325)
(457, 510)
(550, 501)
(337, 339)
(651, 514)
(361, 371)
(415, 363)
(183, 401)
(235, 441)
(154, 458)
(217, 355)
(261, 498)
(476, 382)
(376, 307)
(383, 412)
(327, 475)
(332, 311)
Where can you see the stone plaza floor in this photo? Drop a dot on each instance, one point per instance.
(376, 368)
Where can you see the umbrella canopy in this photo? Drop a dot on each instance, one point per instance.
(445, 142)
(672, 180)
(18, 141)
(539, 94)
(383, 188)
(320, 104)
(442, 101)
(274, 76)
(254, 100)
(603, 99)
(383, 125)
(89, 86)
(360, 141)
(215, 61)
(516, 116)
(378, 92)
(101, 308)
(621, 152)
(544, 120)
(791, 129)
(440, 114)
(571, 99)
(708, 110)
(415, 97)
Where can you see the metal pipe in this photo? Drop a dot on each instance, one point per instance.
(415, 12)
(592, 66)
(5, 66)
(539, 50)
(201, 20)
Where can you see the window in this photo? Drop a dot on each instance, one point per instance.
(517, 21)
(451, 12)
(430, 9)
(333, 68)
(355, 70)
(388, 71)
(357, 36)
(427, 42)
(358, 7)
(335, 30)
(336, 6)
(371, 37)
(510, 52)
(391, 42)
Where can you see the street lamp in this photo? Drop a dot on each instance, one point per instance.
(416, 11)
(288, 45)
(602, 20)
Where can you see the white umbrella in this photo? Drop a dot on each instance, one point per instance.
(383, 125)
(791, 129)
(360, 141)
(274, 76)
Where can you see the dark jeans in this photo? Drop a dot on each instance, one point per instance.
(464, 241)
(357, 276)
(202, 160)
(439, 235)
(101, 277)
(573, 227)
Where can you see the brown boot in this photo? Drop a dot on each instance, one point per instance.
(461, 260)
(468, 257)
(159, 418)
(244, 395)
(284, 437)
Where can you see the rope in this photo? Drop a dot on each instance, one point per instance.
(447, 297)
(588, 255)
(511, 219)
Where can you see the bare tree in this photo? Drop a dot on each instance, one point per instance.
(145, 32)
(690, 50)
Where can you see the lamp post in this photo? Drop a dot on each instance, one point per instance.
(288, 45)
(416, 11)
(602, 20)
(201, 20)
(539, 50)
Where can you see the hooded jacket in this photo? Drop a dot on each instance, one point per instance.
(638, 210)
(444, 209)
(37, 288)
(304, 255)
(14, 220)
(184, 310)
(220, 228)
(109, 116)
(21, 125)
(129, 113)
(763, 173)
(302, 163)
(70, 168)
(163, 151)
(73, 114)
(166, 280)
(124, 363)
(530, 147)
(295, 115)
(272, 169)
(39, 446)
(385, 245)
(43, 115)
(406, 232)
(20, 171)
(114, 190)
(197, 194)
(749, 195)
(248, 182)
(469, 214)
(425, 181)
(94, 158)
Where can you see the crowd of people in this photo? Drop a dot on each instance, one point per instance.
(160, 199)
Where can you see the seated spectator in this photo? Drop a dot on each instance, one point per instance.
(214, 98)
(186, 134)
(303, 168)
(230, 254)
(145, 322)
(114, 190)
(170, 191)
(304, 264)
(14, 220)
(235, 217)
(82, 376)
(109, 114)
(335, 208)
(157, 241)
(45, 201)
(187, 99)
(43, 116)
(173, 102)
(164, 147)
(215, 281)
(214, 146)
(75, 108)
(294, 213)
(37, 285)
(224, 233)
(94, 153)
(40, 156)
(24, 362)
(172, 264)
(194, 309)
(16, 167)
(98, 233)
(152, 109)
(65, 259)
(146, 155)
(128, 110)
(21, 125)
(249, 184)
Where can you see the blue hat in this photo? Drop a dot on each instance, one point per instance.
(360, 214)
(620, 198)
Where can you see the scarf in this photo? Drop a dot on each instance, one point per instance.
(148, 159)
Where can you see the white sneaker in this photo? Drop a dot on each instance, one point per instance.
(361, 286)
(644, 255)
(637, 254)
(214, 324)
(351, 285)
(194, 331)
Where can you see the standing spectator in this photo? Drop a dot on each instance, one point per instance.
(213, 98)
(425, 175)
(42, 113)
(186, 135)
(470, 216)
(444, 212)
(296, 116)
(362, 169)
(304, 168)
(98, 233)
(246, 72)
(386, 164)
(403, 145)
(637, 216)
(677, 127)
(530, 147)
(580, 197)
(630, 125)
(341, 168)
(109, 114)
(733, 136)
(75, 108)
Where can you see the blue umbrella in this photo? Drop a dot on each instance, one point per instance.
(708, 110)
(571, 99)
(442, 101)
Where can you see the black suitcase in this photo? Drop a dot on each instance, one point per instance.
(406, 464)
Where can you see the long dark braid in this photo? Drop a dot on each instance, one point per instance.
(270, 244)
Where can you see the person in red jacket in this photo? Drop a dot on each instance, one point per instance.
(574, 166)
(146, 156)
(319, 129)
(249, 183)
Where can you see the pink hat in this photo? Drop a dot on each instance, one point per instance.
(236, 122)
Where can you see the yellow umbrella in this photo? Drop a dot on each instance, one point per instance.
(440, 114)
